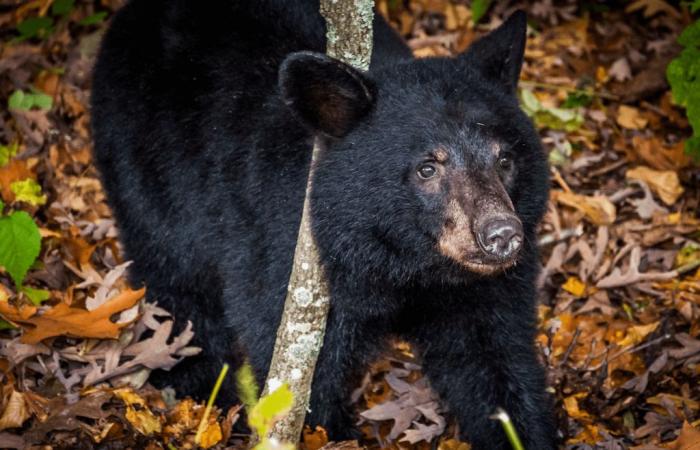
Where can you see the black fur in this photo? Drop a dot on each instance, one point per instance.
(204, 160)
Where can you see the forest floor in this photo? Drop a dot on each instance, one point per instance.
(620, 287)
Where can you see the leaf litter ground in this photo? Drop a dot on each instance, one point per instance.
(620, 286)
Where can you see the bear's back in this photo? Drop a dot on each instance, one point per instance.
(192, 140)
(188, 136)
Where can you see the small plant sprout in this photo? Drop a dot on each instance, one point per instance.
(210, 403)
(502, 416)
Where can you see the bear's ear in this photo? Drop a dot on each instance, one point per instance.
(325, 94)
(499, 54)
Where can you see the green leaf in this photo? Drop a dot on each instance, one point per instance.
(553, 118)
(270, 408)
(2, 207)
(7, 152)
(37, 296)
(26, 101)
(683, 74)
(690, 37)
(577, 99)
(695, 6)
(34, 27)
(247, 386)
(17, 100)
(28, 191)
(41, 100)
(20, 243)
(530, 103)
(94, 19)
(479, 8)
(61, 7)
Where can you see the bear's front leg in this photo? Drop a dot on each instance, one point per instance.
(479, 354)
(350, 344)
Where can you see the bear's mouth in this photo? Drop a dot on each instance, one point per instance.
(482, 267)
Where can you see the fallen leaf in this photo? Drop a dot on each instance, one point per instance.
(314, 440)
(572, 408)
(637, 333)
(652, 7)
(212, 434)
(64, 320)
(15, 170)
(598, 209)
(665, 183)
(689, 438)
(655, 153)
(620, 70)
(15, 413)
(137, 412)
(574, 286)
(629, 117)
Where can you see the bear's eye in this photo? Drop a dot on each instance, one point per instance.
(426, 171)
(505, 163)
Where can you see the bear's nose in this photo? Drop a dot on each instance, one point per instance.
(501, 238)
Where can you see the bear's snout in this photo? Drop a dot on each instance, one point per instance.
(500, 238)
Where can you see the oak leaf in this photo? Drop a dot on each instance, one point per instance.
(64, 320)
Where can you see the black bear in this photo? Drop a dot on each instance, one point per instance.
(424, 205)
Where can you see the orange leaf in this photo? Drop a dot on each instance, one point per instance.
(314, 440)
(15, 170)
(689, 438)
(64, 320)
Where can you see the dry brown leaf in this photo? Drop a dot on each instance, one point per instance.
(657, 155)
(15, 413)
(629, 117)
(652, 7)
(64, 320)
(664, 183)
(617, 278)
(620, 70)
(598, 209)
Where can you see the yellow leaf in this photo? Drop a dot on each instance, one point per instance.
(572, 408)
(636, 334)
(15, 411)
(28, 191)
(629, 117)
(664, 183)
(142, 419)
(597, 208)
(453, 444)
(212, 434)
(574, 286)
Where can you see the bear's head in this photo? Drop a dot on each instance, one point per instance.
(428, 169)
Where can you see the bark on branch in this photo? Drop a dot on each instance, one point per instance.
(302, 328)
